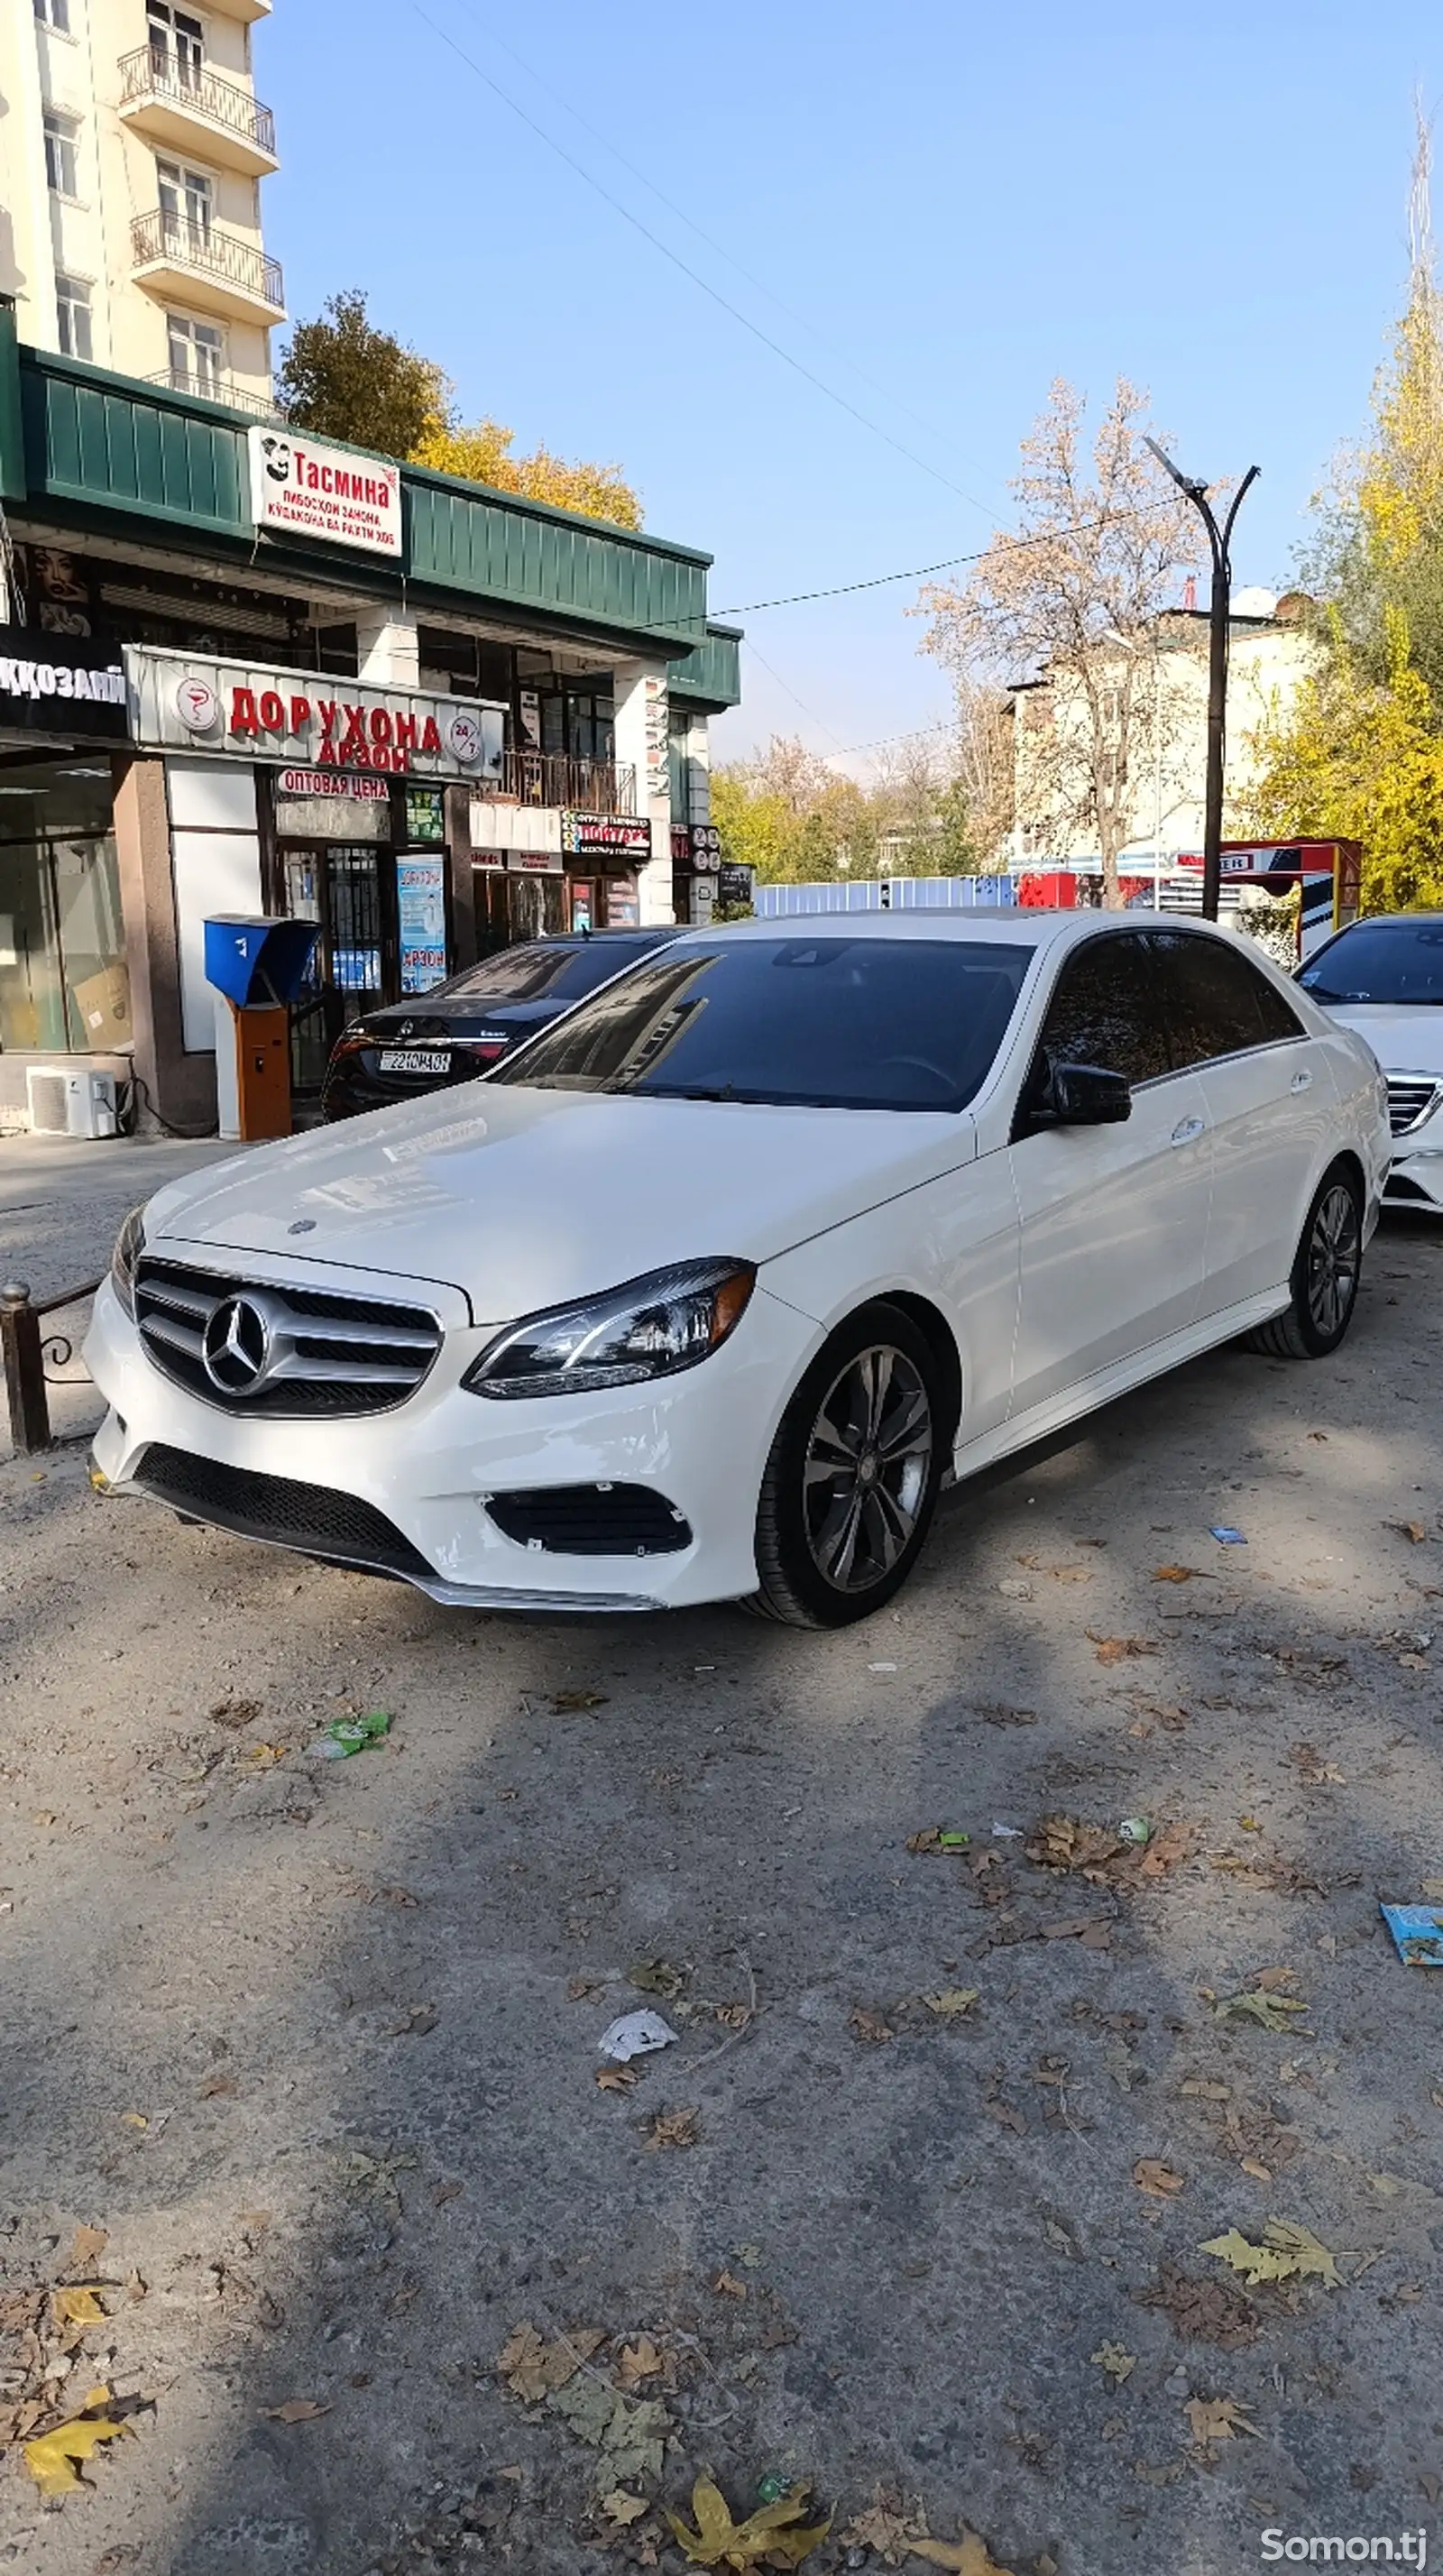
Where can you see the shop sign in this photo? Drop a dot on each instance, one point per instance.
(52, 684)
(190, 702)
(355, 786)
(421, 919)
(534, 863)
(697, 846)
(315, 490)
(595, 835)
(488, 858)
(734, 885)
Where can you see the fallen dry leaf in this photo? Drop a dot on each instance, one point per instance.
(79, 2307)
(939, 1838)
(1259, 2172)
(617, 2079)
(1216, 2419)
(1270, 2011)
(420, 2019)
(1159, 2180)
(296, 2410)
(571, 1703)
(637, 2361)
(621, 2508)
(215, 2085)
(1413, 1530)
(88, 2243)
(773, 2536)
(884, 2526)
(870, 2026)
(1202, 2311)
(1118, 2364)
(54, 2459)
(970, 2556)
(657, 1977)
(1286, 2253)
(673, 2129)
(727, 2286)
(532, 2367)
(952, 2001)
(1118, 1650)
(1179, 1574)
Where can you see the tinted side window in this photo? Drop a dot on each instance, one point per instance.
(1215, 1001)
(1104, 1011)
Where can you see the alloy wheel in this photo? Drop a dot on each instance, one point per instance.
(1333, 1254)
(866, 1468)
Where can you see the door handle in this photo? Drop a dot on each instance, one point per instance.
(1302, 1082)
(1189, 1128)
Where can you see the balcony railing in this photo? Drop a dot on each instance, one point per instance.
(153, 72)
(181, 242)
(556, 778)
(216, 389)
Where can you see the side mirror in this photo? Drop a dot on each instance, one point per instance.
(1087, 1095)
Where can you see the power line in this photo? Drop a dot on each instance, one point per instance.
(809, 712)
(621, 208)
(720, 248)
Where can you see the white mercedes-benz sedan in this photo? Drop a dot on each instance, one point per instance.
(1384, 978)
(707, 1292)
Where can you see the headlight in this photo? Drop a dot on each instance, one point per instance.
(129, 1244)
(647, 1328)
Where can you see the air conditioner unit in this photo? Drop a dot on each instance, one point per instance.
(70, 1104)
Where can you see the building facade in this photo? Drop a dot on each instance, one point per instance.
(1161, 736)
(132, 152)
(246, 671)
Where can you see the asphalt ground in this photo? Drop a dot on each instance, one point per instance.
(310, 2047)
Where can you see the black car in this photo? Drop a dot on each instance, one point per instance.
(466, 1026)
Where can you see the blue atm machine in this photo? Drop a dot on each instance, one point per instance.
(258, 968)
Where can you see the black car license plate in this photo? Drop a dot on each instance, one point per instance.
(415, 1060)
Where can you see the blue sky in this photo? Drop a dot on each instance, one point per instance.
(955, 204)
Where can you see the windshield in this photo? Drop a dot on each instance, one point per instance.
(543, 970)
(809, 1023)
(1380, 961)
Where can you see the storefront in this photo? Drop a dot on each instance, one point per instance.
(63, 982)
(535, 874)
(358, 802)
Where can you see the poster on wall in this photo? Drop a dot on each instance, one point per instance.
(421, 914)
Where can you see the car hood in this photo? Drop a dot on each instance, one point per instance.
(529, 1197)
(1404, 1038)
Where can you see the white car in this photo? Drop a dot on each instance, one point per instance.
(708, 1290)
(1384, 978)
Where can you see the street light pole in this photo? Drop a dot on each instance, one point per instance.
(1220, 540)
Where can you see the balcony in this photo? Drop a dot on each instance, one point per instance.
(217, 389)
(555, 778)
(186, 109)
(180, 261)
(246, 10)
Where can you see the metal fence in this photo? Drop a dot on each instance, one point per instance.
(886, 894)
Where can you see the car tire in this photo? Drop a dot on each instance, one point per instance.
(1325, 1275)
(872, 1406)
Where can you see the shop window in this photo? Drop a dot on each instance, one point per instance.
(62, 159)
(72, 316)
(63, 983)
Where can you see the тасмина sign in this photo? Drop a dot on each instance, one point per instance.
(315, 490)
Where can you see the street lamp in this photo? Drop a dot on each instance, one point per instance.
(1220, 540)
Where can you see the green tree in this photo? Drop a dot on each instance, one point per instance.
(342, 378)
(1361, 754)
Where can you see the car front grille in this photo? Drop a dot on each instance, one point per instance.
(310, 1518)
(591, 1520)
(1412, 1097)
(289, 1353)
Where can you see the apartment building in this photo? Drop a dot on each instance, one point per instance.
(132, 151)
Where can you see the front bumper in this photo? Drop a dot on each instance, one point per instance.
(700, 1438)
(1415, 1174)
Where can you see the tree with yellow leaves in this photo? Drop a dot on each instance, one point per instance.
(1361, 754)
(343, 378)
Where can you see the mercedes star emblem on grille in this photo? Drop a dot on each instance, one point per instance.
(237, 1347)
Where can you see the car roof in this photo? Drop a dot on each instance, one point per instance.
(1010, 925)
